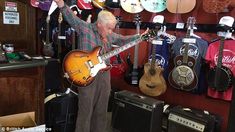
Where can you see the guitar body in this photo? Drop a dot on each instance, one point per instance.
(112, 3)
(152, 82)
(34, 3)
(180, 6)
(84, 4)
(215, 6)
(154, 6)
(222, 81)
(183, 76)
(80, 67)
(131, 6)
(98, 3)
(45, 4)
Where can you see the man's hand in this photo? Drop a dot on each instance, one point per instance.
(60, 3)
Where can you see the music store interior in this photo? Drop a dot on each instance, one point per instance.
(177, 78)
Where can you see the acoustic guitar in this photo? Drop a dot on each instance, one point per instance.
(47, 45)
(152, 83)
(98, 3)
(180, 6)
(220, 77)
(131, 6)
(154, 6)
(183, 76)
(80, 68)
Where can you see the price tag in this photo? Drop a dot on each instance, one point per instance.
(179, 25)
(189, 40)
(61, 37)
(157, 42)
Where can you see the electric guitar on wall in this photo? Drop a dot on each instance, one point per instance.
(152, 82)
(47, 45)
(133, 73)
(80, 68)
(220, 77)
(183, 76)
(84, 4)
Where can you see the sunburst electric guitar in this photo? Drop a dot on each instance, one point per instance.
(152, 82)
(80, 67)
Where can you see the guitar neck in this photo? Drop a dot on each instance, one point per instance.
(136, 52)
(120, 49)
(220, 55)
(47, 33)
(186, 48)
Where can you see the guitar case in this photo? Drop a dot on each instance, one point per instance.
(61, 112)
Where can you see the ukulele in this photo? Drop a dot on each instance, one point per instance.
(220, 77)
(154, 6)
(80, 67)
(133, 75)
(47, 45)
(152, 82)
(183, 76)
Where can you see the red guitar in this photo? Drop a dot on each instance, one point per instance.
(84, 4)
(34, 3)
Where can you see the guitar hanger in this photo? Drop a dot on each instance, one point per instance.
(162, 32)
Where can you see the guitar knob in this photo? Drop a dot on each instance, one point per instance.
(179, 62)
(190, 63)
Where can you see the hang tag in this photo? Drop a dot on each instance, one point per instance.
(189, 40)
(61, 37)
(179, 25)
(157, 42)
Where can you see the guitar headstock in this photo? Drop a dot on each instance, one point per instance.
(60, 18)
(48, 18)
(150, 35)
(191, 22)
(137, 19)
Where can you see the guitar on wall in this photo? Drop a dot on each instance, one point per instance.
(154, 6)
(84, 4)
(152, 83)
(183, 76)
(118, 65)
(47, 45)
(112, 4)
(134, 72)
(80, 68)
(220, 77)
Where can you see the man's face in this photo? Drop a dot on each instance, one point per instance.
(106, 29)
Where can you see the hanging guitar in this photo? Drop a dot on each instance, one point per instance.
(220, 77)
(131, 6)
(152, 82)
(84, 4)
(44, 4)
(47, 45)
(183, 76)
(81, 67)
(134, 72)
(118, 65)
(154, 6)
(112, 4)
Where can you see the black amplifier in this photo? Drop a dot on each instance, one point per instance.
(136, 113)
(187, 120)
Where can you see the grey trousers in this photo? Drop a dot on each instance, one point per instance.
(93, 103)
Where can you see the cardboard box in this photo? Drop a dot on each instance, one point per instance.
(17, 121)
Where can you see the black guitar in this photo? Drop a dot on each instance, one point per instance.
(134, 73)
(220, 77)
